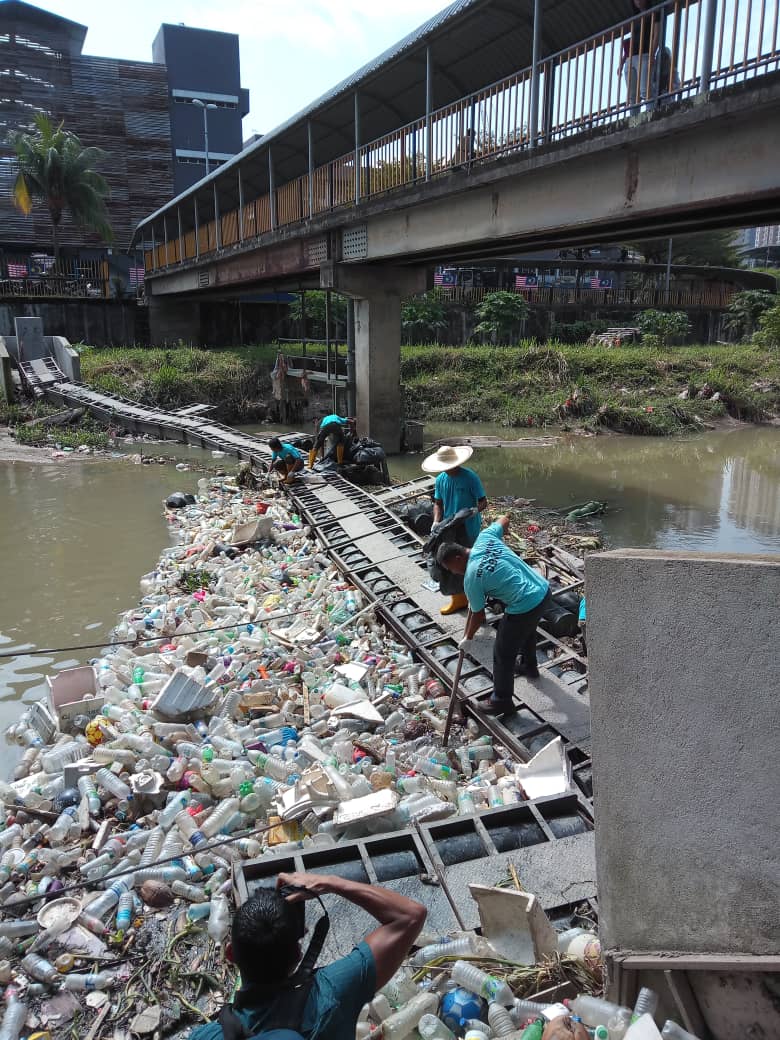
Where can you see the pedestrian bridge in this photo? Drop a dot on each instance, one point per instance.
(494, 127)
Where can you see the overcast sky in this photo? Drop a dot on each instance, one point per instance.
(291, 50)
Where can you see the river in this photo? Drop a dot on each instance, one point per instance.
(76, 536)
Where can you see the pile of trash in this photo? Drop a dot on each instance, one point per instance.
(251, 702)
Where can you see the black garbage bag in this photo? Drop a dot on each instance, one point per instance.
(418, 516)
(453, 529)
(179, 499)
(366, 452)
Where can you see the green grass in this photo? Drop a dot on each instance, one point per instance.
(87, 431)
(631, 389)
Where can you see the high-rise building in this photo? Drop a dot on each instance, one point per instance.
(142, 114)
(206, 96)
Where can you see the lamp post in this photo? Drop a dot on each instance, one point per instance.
(205, 107)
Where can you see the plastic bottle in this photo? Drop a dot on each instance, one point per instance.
(40, 969)
(190, 892)
(124, 911)
(618, 1024)
(474, 1029)
(14, 1015)
(594, 1011)
(167, 815)
(522, 1010)
(402, 1022)
(646, 1003)
(534, 1031)
(431, 1027)
(449, 948)
(220, 817)
(111, 783)
(88, 790)
(55, 760)
(500, 1020)
(88, 983)
(151, 852)
(63, 825)
(19, 929)
(219, 918)
(580, 944)
(198, 911)
(189, 829)
(488, 986)
(671, 1031)
(601, 1033)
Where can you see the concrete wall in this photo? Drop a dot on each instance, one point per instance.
(684, 684)
(101, 323)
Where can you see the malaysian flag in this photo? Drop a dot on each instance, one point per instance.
(601, 283)
(41, 263)
(17, 270)
(526, 281)
(438, 277)
(136, 277)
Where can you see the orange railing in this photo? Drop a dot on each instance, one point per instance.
(643, 63)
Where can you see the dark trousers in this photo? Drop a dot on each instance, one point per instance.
(334, 430)
(516, 635)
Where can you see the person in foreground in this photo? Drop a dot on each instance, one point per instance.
(492, 570)
(456, 488)
(334, 428)
(285, 459)
(265, 947)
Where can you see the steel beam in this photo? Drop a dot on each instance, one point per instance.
(533, 120)
(428, 111)
(272, 188)
(708, 44)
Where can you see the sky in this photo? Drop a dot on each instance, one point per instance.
(292, 51)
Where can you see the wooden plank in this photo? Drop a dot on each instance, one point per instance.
(686, 1003)
(701, 962)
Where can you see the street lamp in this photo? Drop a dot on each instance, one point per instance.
(205, 107)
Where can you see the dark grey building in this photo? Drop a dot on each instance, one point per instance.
(203, 66)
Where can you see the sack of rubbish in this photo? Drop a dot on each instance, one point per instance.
(250, 703)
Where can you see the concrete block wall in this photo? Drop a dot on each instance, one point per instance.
(684, 688)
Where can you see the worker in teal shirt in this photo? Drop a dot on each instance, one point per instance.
(334, 427)
(285, 458)
(456, 488)
(265, 946)
(491, 570)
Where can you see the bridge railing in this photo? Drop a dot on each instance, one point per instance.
(671, 51)
(563, 296)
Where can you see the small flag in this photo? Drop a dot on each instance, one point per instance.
(438, 277)
(17, 270)
(601, 283)
(22, 196)
(526, 281)
(136, 277)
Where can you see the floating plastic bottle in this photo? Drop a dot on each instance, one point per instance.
(401, 1023)
(671, 1031)
(431, 1027)
(594, 1011)
(219, 919)
(198, 911)
(646, 1003)
(500, 1020)
(450, 948)
(88, 790)
(488, 986)
(40, 969)
(111, 783)
(124, 911)
(88, 983)
(224, 812)
(189, 892)
(14, 1015)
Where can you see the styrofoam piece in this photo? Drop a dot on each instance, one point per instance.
(352, 672)
(74, 770)
(362, 709)
(378, 803)
(253, 531)
(75, 691)
(514, 924)
(548, 772)
(182, 696)
(60, 914)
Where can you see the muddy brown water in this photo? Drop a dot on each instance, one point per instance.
(76, 537)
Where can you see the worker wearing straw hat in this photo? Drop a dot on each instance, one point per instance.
(456, 488)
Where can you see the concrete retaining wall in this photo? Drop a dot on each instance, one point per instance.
(684, 684)
(101, 323)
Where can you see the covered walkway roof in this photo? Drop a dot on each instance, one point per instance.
(472, 43)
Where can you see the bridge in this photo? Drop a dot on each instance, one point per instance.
(494, 127)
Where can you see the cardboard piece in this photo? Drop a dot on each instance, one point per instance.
(378, 803)
(515, 924)
(75, 691)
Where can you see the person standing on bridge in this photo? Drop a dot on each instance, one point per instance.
(637, 57)
(456, 488)
(332, 427)
(491, 570)
(285, 459)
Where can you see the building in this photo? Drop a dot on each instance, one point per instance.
(140, 113)
(761, 245)
(205, 92)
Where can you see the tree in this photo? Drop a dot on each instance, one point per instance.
(501, 315)
(314, 309)
(422, 318)
(663, 327)
(56, 170)
(745, 310)
(702, 249)
(768, 334)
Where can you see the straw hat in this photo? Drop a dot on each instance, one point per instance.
(447, 458)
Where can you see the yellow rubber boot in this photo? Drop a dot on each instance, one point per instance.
(458, 602)
(340, 453)
(312, 458)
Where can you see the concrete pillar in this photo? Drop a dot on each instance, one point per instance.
(683, 689)
(172, 319)
(378, 292)
(533, 119)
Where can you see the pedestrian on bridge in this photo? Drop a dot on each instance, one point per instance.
(638, 57)
(333, 427)
(456, 488)
(491, 570)
(285, 459)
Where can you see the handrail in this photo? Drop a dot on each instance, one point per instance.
(653, 59)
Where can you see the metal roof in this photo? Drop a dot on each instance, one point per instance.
(473, 43)
(74, 32)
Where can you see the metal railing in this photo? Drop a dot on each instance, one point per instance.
(563, 296)
(68, 279)
(672, 51)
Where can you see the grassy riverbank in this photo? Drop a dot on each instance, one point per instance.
(628, 389)
(23, 420)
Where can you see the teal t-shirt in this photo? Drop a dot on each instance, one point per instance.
(339, 992)
(330, 419)
(495, 571)
(460, 490)
(288, 451)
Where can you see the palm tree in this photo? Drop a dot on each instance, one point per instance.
(56, 169)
